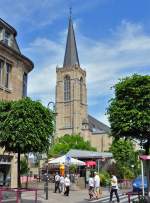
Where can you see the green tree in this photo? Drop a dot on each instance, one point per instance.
(64, 144)
(125, 155)
(129, 111)
(104, 177)
(24, 169)
(25, 126)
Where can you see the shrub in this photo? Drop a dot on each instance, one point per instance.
(104, 178)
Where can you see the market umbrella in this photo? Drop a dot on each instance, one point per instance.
(90, 163)
(64, 160)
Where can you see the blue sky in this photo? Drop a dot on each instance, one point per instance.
(113, 40)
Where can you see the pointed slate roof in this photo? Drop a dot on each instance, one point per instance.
(8, 26)
(96, 126)
(71, 53)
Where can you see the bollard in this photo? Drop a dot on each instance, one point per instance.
(35, 195)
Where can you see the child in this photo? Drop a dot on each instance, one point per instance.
(91, 186)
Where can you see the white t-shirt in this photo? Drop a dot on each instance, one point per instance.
(62, 179)
(91, 182)
(114, 182)
(97, 181)
(67, 181)
(57, 178)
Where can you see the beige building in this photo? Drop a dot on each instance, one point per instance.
(71, 100)
(14, 69)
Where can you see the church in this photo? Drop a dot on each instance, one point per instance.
(71, 100)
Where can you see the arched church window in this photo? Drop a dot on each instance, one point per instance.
(67, 93)
(81, 90)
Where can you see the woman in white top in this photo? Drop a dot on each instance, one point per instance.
(67, 185)
(114, 188)
(97, 185)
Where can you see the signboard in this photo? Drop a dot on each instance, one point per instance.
(68, 159)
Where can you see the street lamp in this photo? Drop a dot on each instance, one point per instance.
(51, 103)
(51, 106)
(46, 183)
(53, 109)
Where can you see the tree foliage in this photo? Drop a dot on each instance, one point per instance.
(67, 142)
(129, 111)
(24, 169)
(25, 126)
(126, 157)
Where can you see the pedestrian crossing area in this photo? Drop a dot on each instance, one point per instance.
(123, 199)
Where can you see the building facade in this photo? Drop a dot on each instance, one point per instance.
(71, 100)
(14, 69)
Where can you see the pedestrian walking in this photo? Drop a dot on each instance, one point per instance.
(57, 181)
(96, 185)
(114, 188)
(67, 185)
(91, 186)
(62, 182)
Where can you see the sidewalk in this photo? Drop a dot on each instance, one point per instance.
(76, 196)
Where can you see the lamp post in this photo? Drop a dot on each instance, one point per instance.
(53, 109)
(51, 106)
(46, 183)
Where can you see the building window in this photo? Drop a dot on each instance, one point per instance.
(1, 33)
(1, 71)
(6, 38)
(67, 93)
(5, 69)
(81, 90)
(25, 79)
(67, 122)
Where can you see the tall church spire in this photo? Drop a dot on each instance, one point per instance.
(71, 53)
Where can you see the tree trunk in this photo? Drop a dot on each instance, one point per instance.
(18, 169)
(27, 180)
(147, 146)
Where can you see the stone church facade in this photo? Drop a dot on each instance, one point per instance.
(14, 69)
(71, 100)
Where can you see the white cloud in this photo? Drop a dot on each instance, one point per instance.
(42, 79)
(126, 51)
(25, 11)
(37, 13)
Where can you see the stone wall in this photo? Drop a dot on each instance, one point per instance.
(72, 111)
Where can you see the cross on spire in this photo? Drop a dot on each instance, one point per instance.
(70, 10)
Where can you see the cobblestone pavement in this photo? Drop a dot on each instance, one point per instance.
(76, 196)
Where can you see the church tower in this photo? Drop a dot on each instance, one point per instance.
(71, 91)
